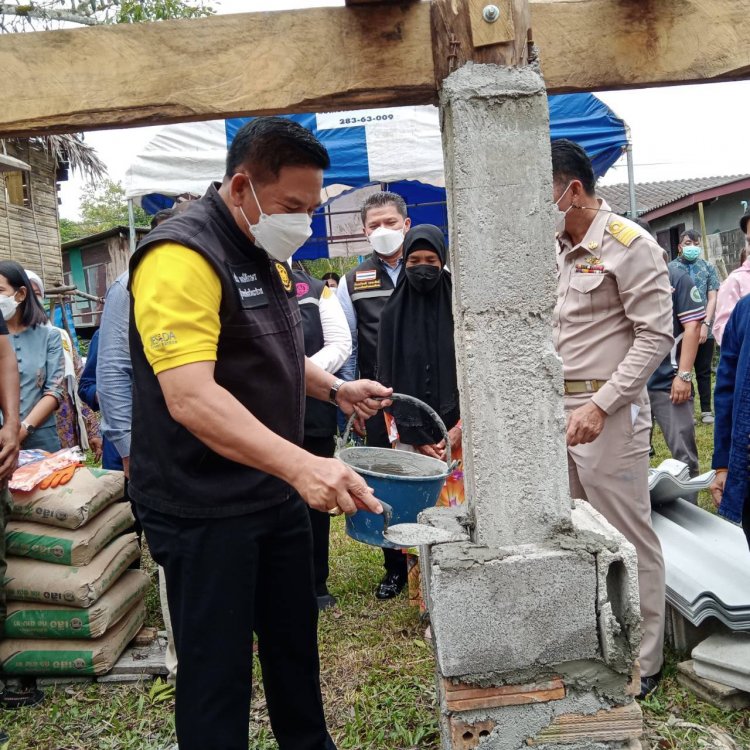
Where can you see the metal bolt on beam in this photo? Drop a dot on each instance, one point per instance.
(491, 13)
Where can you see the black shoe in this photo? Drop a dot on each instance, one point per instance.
(12, 699)
(649, 685)
(391, 585)
(326, 601)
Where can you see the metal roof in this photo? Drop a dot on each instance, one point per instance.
(652, 195)
(707, 564)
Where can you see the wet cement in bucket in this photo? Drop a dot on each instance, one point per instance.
(393, 462)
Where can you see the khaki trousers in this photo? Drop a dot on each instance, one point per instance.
(612, 474)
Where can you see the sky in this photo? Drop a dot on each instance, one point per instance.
(678, 132)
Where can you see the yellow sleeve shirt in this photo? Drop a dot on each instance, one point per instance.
(177, 299)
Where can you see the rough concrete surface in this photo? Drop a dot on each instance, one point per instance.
(722, 696)
(527, 607)
(517, 725)
(498, 175)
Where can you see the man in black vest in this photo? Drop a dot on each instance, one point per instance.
(328, 344)
(363, 295)
(219, 382)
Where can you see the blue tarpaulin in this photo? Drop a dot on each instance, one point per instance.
(398, 149)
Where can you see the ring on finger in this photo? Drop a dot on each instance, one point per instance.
(335, 511)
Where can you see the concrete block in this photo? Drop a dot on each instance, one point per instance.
(617, 599)
(721, 696)
(467, 697)
(124, 679)
(141, 660)
(496, 143)
(724, 658)
(510, 609)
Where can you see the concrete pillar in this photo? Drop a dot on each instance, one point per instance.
(535, 619)
(495, 127)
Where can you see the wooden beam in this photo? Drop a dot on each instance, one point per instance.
(322, 59)
(594, 45)
(341, 58)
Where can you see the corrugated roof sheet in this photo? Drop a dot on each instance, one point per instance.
(651, 195)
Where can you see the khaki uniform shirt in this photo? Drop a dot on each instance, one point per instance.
(613, 317)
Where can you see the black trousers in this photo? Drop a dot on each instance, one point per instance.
(228, 577)
(320, 522)
(703, 360)
(394, 561)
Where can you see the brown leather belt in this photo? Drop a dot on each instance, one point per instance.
(583, 386)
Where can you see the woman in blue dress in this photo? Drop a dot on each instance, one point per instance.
(39, 352)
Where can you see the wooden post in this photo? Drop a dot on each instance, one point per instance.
(484, 31)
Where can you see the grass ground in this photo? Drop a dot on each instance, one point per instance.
(377, 674)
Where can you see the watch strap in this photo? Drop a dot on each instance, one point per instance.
(335, 390)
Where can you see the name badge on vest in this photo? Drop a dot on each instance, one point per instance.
(364, 280)
(249, 286)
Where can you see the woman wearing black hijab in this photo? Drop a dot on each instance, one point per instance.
(416, 353)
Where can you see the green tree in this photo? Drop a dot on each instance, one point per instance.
(103, 206)
(36, 15)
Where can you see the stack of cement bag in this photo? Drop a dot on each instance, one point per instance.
(73, 605)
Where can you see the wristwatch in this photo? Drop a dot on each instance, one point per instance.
(708, 323)
(30, 429)
(686, 376)
(335, 390)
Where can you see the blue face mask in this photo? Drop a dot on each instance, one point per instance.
(691, 253)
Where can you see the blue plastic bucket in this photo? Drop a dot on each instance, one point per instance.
(409, 482)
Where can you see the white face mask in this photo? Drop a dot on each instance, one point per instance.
(386, 242)
(8, 306)
(280, 235)
(559, 214)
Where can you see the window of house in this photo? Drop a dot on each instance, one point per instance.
(18, 188)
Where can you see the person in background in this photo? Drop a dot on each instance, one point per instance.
(417, 357)
(363, 295)
(732, 427)
(111, 371)
(706, 281)
(9, 400)
(331, 279)
(38, 349)
(328, 343)
(612, 326)
(88, 394)
(734, 287)
(670, 388)
(75, 420)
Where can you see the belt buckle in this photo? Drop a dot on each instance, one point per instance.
(590, 386)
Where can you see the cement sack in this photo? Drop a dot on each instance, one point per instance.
(75, 657)
(68, 546)
(34, 620)
(35, 581)
(71, 505)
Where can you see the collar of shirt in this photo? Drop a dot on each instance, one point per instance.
(594, 234)
(392, 271)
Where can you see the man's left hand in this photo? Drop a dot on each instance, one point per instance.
(585, 424)
(703, 335)
(9, 446)
(364, 397)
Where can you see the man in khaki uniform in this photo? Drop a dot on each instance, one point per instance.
(612, 328)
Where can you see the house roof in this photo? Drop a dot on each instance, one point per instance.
(99, 236)
(655, 195)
